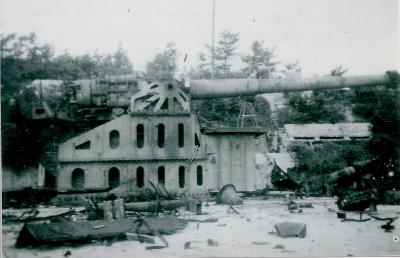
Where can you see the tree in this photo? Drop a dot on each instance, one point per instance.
(324, 158)
(291, 69)
(163, 66)
(203, 68)
(259, 62)
(23, 59)
(224, 52)
(65, 67)
(121, 63)
(380, 106)
(338, 71)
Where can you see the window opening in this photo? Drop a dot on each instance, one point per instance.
(113, 178)
(196, 140)
(140, 135)
(78, 178)
(161, 175)
(83, 146)
(181, 176)
(140, 176)
(181, 135)
(161, 135)
(114, 139)
(199, 175)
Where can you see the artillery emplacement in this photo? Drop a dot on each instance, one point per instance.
(160, 139)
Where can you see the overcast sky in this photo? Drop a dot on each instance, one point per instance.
(362, 35)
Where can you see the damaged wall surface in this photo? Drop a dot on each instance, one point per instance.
(168, 148)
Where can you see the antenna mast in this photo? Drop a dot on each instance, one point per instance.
(213, 40)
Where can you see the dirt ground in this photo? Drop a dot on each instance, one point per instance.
(245, 234)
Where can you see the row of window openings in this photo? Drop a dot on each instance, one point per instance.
(78, 177)
(114, 138)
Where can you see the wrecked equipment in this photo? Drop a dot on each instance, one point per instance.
(228, 195)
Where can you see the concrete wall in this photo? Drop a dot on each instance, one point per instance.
(225, 158)
(96, 176)
(99, 137)
(232, 160)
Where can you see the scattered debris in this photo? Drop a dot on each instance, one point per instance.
(118, 208)
(231, 208)
(279, 194)
(228, 195)
(161, 225)
(331, 210)
(208, 220)
(212, 242)
(388, 227)
(150, 247)
(107, 210)
(157, 206)
(291, 229)
(140, 237)
(356, 220)
(34, 215)
(292, 206)
(187, 245)
(260, 243)
(279, 247)
(221, 225)
(306, 205)
(160, 190)
(67, 253)
(92, 210)
(287, 251)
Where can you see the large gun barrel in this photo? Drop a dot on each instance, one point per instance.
(239, 87)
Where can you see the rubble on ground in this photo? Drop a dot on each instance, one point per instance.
(214, 232)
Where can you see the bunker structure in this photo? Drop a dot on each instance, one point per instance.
(160, 140)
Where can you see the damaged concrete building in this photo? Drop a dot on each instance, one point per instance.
(161, 143)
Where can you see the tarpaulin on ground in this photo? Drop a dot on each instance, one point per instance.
(49, 233)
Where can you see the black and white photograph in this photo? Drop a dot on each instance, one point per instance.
(200, 128)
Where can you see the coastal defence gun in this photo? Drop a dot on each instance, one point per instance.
(106, 98)
(148, 132)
